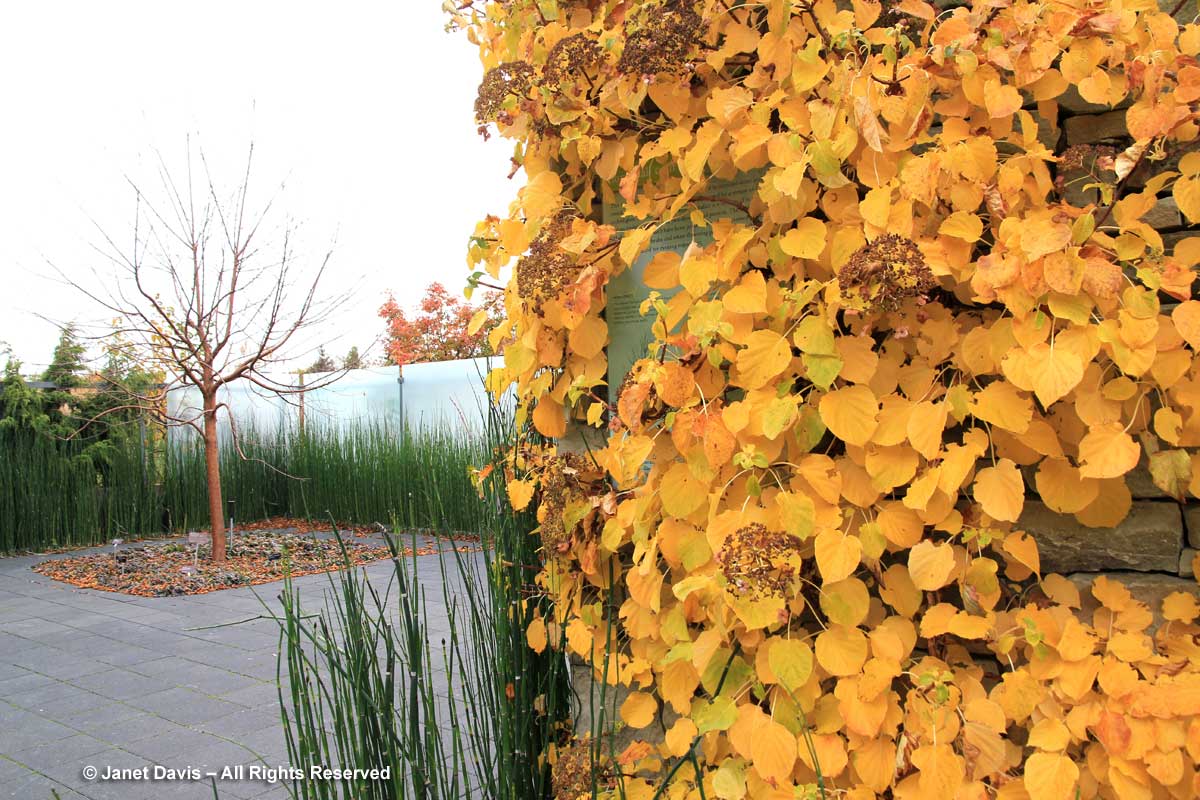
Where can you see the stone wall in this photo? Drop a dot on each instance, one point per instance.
(1153, 549)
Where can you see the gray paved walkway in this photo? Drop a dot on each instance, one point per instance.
(91, 678)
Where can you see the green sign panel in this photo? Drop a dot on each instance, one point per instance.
(630, 334)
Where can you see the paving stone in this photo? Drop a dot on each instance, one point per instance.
(138, 727)
(100, 719)
(182, 743)
(31, 730)
(185, 706)
(47, 755)
(120, 655)
(120, 684)
(65, 700)
(33, 786)
(10, 770)
(214, 680)
(247, 721)
(1149, 539)
(22, 684)
(68, 667)
(71, 774)
(258, 695)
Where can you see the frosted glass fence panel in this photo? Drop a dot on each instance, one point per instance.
(447, 394)
(251, 406)
(359, 396)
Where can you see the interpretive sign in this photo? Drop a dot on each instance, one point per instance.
(630, 333)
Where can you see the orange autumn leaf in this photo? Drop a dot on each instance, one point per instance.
(930, 565)
(535, 635)
(1050, 776)
(941, 771)
(519, 494)
(1107, 451)
(851, 414)
(1001, 491)
(773, 750)
(764, 357)
(638, 709)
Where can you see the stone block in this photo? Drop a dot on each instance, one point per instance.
(1165, 214)
(1141, 484)
(1049, 133)
(1075, 191)
(1186, 12)
(1172, 239)
(1092, 128)
(582, 438)
(1191, 522)
(1145, 588)
(1071, 102)
(1187, 567)
(1149, 539)
(586, 692)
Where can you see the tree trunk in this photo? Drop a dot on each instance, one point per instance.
(212, 468)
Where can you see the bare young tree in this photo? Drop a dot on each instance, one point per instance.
(201, 298)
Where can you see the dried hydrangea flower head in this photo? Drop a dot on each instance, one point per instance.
(662, 41)
(885, 273)
(567, 477)
(511, 79)
(758, 562)
(570, 57)
(546, 269)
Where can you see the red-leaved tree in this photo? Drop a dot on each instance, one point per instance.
(439, 330)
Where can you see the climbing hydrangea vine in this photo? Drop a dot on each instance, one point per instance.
(797, 542)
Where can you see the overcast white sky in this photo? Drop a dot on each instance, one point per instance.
(364, 108)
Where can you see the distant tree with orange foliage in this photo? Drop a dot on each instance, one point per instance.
(444, 327)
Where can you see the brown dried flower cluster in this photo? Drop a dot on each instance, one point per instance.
(571, 774)
(571, 56)
(663, 42)
(1079, 156)
(886, 272)
(759, 562)
(567, 477)
(512, 78)
(547, 268)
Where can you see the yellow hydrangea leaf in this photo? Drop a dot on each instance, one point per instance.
(1107, 451)
(1001, 491)
(930, 565)
(764, 357)
(535, 635)
(519, 494)
(841, 650)
(638, 709)
(681, 492)
(1050, 776)
(851, 413)
(773, 752)
(806, 240)
(791, 660)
